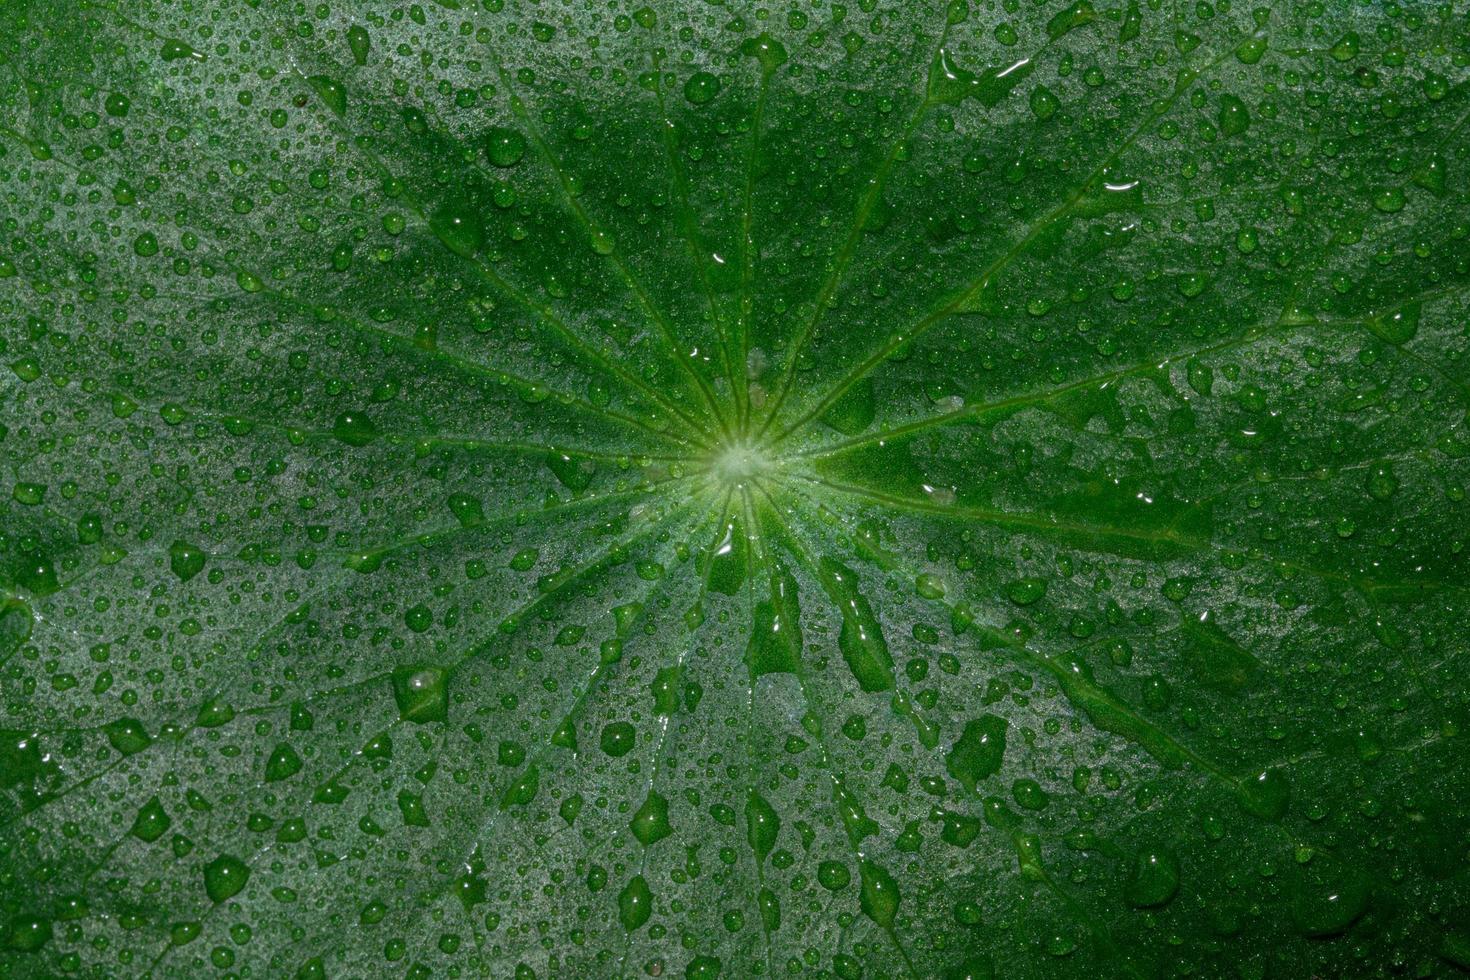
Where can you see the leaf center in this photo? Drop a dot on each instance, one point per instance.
(736, 463)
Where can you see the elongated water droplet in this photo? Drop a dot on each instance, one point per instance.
(635, 904)
(861, 638)
(762, 825)
(359, 43)
(175, 50)
(331, 92)
(879, 896)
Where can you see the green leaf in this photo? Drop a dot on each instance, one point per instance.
(878, 489)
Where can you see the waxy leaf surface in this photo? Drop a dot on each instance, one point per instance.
(650, 488)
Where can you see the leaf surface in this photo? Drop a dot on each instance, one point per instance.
(875, 490)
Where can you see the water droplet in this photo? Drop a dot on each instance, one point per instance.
(1347, 47)
(1389, 200)
(331, 92)
(978, 752)
(762, 825)
(635, 904)
(650, 823)
(458, 229)
(418, 618)
(728, 560)
(1399, 326)
(422, 693)
(1266, 794)
(523, 790)
(854, 818)
(466, 509)
(359, 43)
(602, 243)
(770, 52)
(127, 735)
(504, 146)
(703, 968)
(1070, 18)
(665, 690)
(1044, 102)
(1382, 484)
(1251, 50)
(1328, 896)
(770, 909)
(1431, 175)
(618, 739)
(574, 474)
(38, 575)
(879, 896)
(1154, 880)
(833, 875)
(224, 877)
(174, 50)
(282, 764)
(701, 88)
(1029, 795)
(355, 429)
(28, 933)
(152, 821)
(1234, 117)
(1026, 591)
(214, 713)
(185, 560)
(861, 638)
